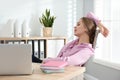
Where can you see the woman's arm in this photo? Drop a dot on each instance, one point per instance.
(102, 28)
(59, 58)
(80, 57)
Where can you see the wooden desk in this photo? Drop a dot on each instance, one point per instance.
(70, 74)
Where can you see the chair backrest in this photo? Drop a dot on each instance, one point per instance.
(95, 38)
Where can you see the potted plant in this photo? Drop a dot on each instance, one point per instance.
(47, 21)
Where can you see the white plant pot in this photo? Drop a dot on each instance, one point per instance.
(47, 32)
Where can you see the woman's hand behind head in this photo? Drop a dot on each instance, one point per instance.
(104, 31)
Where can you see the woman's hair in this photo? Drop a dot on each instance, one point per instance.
(91, 27)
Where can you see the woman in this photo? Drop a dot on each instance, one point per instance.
(80, 50)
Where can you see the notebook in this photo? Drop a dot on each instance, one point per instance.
(52, 71)
(55, 64)
(52, 68)
(15, 59)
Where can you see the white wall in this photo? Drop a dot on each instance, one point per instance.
(67, 13)
(31, 10)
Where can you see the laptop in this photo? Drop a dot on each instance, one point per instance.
(15, 59)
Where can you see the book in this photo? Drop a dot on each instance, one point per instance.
(52, 68)
(52, 71)
(55, 64)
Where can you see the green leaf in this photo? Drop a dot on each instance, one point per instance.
(47, 20)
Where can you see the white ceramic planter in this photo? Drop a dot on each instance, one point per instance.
(47, 32)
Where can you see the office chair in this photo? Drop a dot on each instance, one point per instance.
(95, 38)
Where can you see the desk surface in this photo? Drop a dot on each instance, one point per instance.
(70, 72)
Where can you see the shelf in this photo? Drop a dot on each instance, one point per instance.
(34, 41)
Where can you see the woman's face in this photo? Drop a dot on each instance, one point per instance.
(79, 29)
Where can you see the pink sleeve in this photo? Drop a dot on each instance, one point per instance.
(59, 58)
(63, 49)
(94, 17)
(60, 53)
(80, 57)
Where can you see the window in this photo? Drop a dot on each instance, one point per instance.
(108, 48)
(72, 11)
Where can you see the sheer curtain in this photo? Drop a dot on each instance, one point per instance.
(108, 48)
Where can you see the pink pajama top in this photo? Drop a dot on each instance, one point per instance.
(75, 54)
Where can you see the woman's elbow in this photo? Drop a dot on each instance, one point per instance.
(78, 61)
